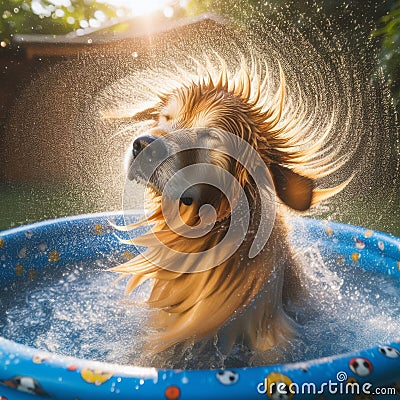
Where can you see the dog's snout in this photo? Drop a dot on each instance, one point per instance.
(141, 143)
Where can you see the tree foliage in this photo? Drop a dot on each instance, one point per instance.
(389, 32)
(50, 17)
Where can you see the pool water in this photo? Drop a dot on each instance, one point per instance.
(80, 310)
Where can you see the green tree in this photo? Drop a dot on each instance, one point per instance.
(389, 33)
(51, 17)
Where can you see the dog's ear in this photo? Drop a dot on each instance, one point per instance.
(147, 112)
(293, 189)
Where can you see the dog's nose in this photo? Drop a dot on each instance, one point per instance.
(152, 148)
(141, 143)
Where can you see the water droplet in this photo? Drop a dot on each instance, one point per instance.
(6, 14)
(84, 24)
(168, 12)
(100, 16)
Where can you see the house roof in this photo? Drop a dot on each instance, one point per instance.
(123, 31)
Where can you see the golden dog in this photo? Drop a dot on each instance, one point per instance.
(240, 299)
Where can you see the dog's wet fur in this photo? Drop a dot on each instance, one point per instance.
(242, 300)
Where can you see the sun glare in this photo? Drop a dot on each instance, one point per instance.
(143, 7)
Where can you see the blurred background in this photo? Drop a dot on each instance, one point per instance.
(58, 59)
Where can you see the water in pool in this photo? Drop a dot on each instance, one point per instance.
(81, 311)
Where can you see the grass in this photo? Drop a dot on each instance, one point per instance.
(23, 204)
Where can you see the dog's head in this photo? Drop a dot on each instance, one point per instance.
(209, 121)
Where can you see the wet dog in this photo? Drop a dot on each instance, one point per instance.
(231, 292)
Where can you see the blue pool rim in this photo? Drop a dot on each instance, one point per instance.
(25, 371)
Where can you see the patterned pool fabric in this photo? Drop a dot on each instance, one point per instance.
(26, 373)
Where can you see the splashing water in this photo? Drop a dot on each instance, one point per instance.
(352, 309)
(80, 311)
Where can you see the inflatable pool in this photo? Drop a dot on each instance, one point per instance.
(26, 372)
